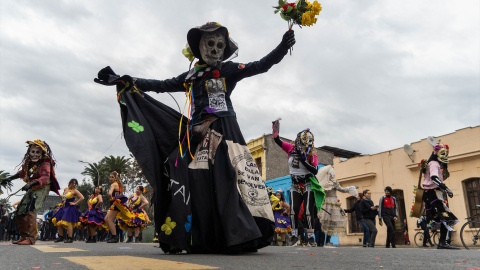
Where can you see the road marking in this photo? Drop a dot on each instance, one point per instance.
(130, 262)
(53, 248)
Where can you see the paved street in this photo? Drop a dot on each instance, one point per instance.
(79, 255)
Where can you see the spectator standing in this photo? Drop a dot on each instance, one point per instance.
(359, 217)
(369, 212)
(388, 212)
(422, 223)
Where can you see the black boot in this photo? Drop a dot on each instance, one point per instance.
(69, 240)
(59, 239)
(445, 245)
(113, 239)
(137, 240)
(130, 239)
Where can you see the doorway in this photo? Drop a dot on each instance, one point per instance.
(399, 237)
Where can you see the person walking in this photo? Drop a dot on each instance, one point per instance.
(369, 212)
(387, 211)
(359, 217)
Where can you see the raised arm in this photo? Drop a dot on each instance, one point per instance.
(264, 64)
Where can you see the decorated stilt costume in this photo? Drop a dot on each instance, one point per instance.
(39, 175)
(209, 194)
(436, 172)
(332, 217)
(303, 166)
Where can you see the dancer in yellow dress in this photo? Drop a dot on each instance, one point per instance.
(68, 215)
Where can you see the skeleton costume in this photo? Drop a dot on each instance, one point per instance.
(332, 216)
(211, 199)
(436, 172)
(302, 164)
(38, 173)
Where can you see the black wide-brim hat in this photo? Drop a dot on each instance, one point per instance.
(195, 34)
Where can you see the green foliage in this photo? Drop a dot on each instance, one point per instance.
(86, 189)
(6, 204)
(4, 175)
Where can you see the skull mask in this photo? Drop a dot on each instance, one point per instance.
(35, 153)
(442, 154)
(212, 46)
(304, 142)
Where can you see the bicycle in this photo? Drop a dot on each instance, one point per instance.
(434, 235)
(470, 232)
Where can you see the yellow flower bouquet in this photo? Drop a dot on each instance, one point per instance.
(302, 13)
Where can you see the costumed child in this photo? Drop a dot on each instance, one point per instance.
(136, 202)
(94, 218)
(281, 213)
(210, 197)
(332, 216)
(438, 213)
(37, 171)
(68, 215)
(118, 209)
(303, 166)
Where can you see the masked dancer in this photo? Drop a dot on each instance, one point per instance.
(281, 212)
(210, 197)
(136, 202)
(37, 171)
(94, 218)
(303, 166)
(118, 208)
(436, 172)
(68, 215)
(333, 217)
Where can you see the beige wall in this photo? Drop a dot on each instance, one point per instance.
(394, 168)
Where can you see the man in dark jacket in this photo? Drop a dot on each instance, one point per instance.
(388, 212)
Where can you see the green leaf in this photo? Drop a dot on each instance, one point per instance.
(282, 2)
(289, 9)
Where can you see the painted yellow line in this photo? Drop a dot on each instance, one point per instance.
(130, 262)
(53, 248)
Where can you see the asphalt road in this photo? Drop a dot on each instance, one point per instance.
(79, 255)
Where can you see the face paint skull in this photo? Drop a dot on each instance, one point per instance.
(442, 155)
(211, 47)
(35, 153)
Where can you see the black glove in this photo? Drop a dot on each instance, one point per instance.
(107, 76)
(288, 39)
(436, 180)
(29, 185)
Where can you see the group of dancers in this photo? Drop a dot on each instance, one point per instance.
(37, 170)
(128, 211)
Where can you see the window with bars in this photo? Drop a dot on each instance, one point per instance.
(472, 190)
(353, 225)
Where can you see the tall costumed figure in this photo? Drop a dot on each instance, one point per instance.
(209, 194)
(38, 173)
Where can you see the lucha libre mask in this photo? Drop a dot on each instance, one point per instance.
(211, 47)
(442, 154)
(35, 153)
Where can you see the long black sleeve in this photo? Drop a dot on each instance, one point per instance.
(278, 141)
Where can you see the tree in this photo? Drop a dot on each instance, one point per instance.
(4, 175)
(133, 176)
(6, 205)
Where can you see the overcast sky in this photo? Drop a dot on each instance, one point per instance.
(365, 78)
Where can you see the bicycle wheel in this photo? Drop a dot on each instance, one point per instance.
(418, 239)
(470, 234)
(436, 238)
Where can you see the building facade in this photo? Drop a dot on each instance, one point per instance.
(399, 170)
